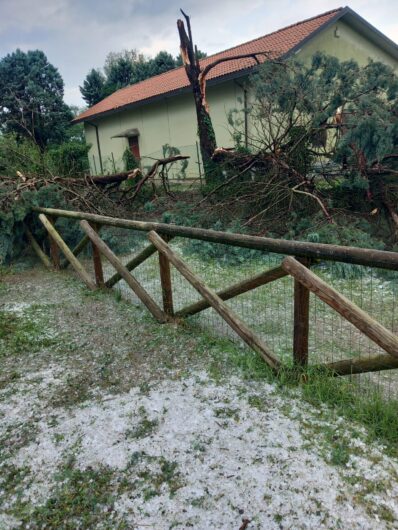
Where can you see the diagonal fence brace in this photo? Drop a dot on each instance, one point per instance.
(141, 293)
(81, 271)
(250, 338)
(234, 290)
(347, 309)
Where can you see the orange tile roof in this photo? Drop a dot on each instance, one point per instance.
(276, 44)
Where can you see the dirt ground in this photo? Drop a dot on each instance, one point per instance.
(110, 420)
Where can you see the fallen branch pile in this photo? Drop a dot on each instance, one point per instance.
(100, 194)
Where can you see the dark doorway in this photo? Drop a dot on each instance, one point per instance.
(134, 146)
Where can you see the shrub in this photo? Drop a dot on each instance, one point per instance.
(129, 160)
(69, 158)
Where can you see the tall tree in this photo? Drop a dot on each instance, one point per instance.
(31, 98)
(120, 74)
(161, 63)
(129, 56)
(92, 90)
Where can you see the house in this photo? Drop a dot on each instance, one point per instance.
(160, 110)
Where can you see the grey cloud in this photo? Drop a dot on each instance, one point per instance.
(76, 35)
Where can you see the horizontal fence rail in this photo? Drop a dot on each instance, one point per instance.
(359, 256)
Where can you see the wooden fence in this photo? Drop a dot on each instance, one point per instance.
(297, 263)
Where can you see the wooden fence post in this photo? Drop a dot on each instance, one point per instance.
(301, 320)
(98, 271)
(347, 309)
(165, 279)
(141, 293)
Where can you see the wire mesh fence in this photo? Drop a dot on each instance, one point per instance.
(186, 171)
(269, 310)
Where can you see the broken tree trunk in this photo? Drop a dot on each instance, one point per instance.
(115, 178)
(197, 79)
(207, 137)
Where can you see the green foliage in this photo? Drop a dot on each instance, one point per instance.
(370, 117)
(12, 235)
(25, 156)
(162, 62)
(92, 90)
(326, 126)
(149, 207)
(182, 214)
(69, 158)
(129, 160)
(21, 155)
(31, 98)
(122, 72)
(222, 253)
(355, 233)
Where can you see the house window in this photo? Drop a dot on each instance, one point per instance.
(134, 146)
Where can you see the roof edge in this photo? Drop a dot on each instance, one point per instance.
(184, 90)
(390, 46)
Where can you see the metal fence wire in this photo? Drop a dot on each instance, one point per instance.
(268, 310)
(183, 171)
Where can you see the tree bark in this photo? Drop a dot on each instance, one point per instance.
(207, 137)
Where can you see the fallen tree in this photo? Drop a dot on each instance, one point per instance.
(102, 194)
(331, 141)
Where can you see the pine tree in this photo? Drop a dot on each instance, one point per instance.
(31, 98)
(92, 90)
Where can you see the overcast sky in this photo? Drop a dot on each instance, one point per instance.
(76, 35)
